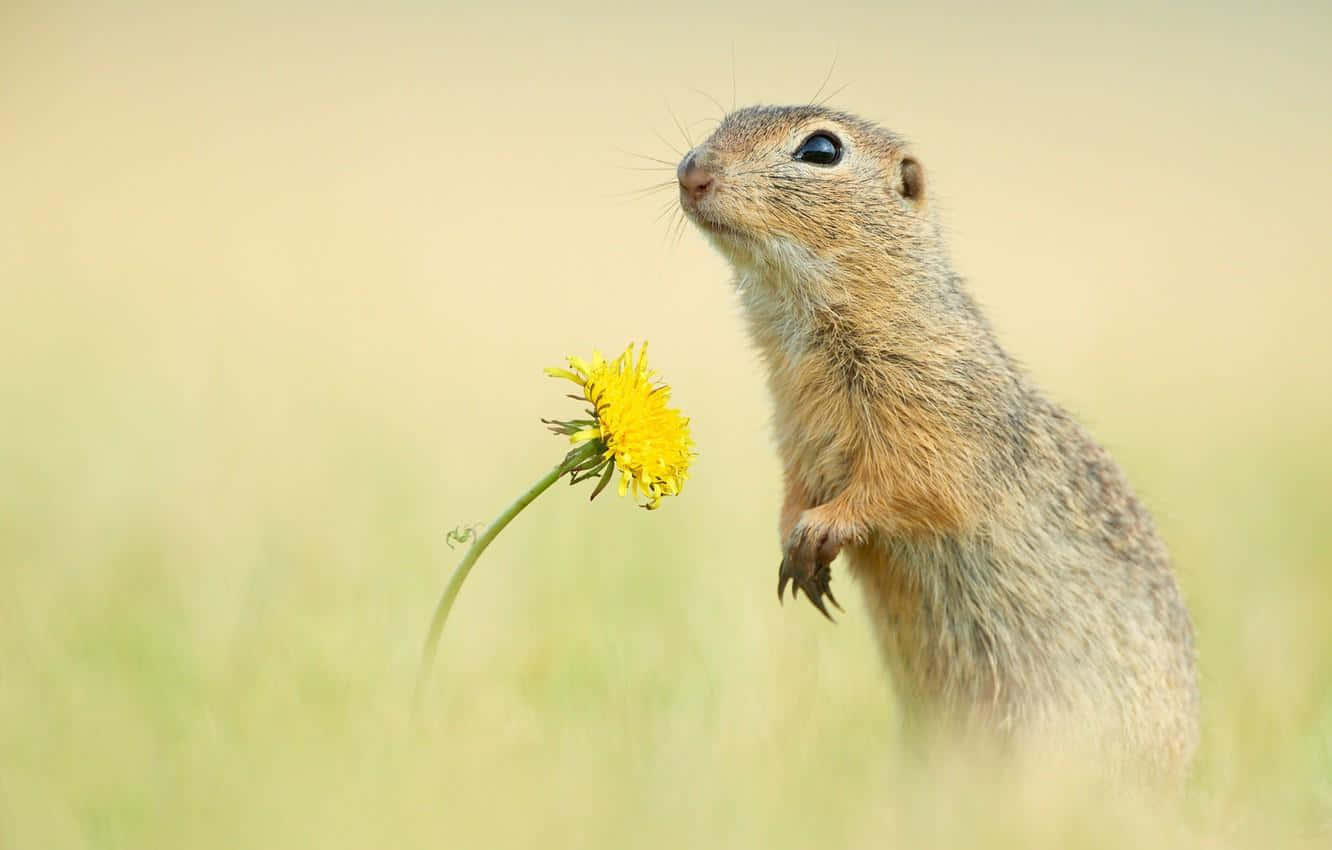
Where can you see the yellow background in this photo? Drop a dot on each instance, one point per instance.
(276, 288)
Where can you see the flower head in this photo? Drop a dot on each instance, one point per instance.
(638, 432)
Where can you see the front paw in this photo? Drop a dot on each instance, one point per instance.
(805, 564)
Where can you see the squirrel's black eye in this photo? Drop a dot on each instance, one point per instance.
(820, 149)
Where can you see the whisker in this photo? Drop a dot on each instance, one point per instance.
(643, 156)
(645, 190)
(835, 93)
(679, 231)
(826, 77)
(666, 208)
(669, 234)
(715, 102)
(662, 139)
(679, 126)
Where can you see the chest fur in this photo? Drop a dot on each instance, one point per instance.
(816, 427)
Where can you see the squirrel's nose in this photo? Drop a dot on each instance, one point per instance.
(693, 178)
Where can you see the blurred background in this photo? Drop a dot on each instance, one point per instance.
(277, 283)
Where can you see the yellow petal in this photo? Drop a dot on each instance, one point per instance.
(563, 373)
(584, 435)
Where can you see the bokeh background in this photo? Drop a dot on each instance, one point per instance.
(277, 282)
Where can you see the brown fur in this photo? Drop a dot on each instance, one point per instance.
(1016, 583)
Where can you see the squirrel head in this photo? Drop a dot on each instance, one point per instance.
(809, 195)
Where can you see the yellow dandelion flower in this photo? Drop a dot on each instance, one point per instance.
(631, 426)
(641, 434)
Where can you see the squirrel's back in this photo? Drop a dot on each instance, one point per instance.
(1017, 584)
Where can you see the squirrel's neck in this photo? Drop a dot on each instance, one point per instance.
(892, 315)
(914, 356)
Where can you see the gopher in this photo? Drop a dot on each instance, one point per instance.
(1016, 584)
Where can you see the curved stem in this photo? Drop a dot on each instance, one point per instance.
(577, 457)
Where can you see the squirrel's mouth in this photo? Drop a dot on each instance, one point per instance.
(713, 225)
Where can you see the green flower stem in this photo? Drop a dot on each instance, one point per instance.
(575, 458)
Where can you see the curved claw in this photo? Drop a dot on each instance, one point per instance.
(833, 599)
(818, 588)
(816, 583)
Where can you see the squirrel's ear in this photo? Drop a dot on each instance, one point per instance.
(911, 180)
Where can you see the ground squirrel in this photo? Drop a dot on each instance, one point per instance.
(1016, 584)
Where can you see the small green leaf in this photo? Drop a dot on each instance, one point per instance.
(605, 479)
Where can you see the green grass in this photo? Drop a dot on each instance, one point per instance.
(222, 656)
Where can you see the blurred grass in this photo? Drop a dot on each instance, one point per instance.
(274, 301)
